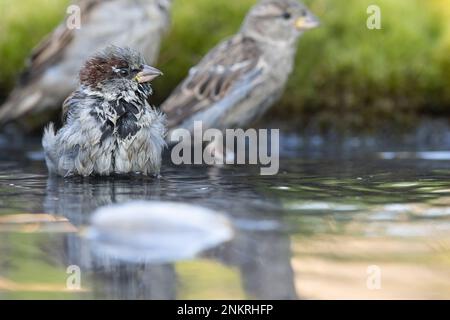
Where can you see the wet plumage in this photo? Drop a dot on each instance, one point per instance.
(109, 127)
(49, 76)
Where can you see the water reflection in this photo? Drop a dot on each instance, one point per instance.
(261, 255)
(309, 232)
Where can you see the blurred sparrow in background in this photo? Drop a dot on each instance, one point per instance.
(237, 81)
(109, 127)
(49, 76)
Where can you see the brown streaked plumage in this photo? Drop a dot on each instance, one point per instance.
(212, 78)
(238, 80)
(51, 49)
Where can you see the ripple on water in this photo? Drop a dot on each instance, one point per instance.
(321, 206)
(417, 210)
(426, 155)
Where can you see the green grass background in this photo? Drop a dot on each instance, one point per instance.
(344, 71)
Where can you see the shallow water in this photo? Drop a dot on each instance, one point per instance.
(358, 219)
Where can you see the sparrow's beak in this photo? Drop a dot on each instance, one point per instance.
(308, 22)
(148, 74)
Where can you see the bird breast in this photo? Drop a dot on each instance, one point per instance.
(120, 118)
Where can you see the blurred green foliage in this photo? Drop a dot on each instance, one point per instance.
(23, 24)
(28, 270)
(342, 68)
(215, 280)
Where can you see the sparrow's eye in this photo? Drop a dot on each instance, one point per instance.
(124, 72)
(286, 15)
(303, 13)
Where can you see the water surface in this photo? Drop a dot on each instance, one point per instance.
(335, 217)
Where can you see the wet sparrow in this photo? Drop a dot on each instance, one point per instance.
(109, 127)
(237, 81)
(48, 78)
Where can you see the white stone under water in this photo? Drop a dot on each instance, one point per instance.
(155, 232)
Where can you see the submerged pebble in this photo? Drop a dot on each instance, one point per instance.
(155, 231)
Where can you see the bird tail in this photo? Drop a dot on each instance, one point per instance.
(49, 144)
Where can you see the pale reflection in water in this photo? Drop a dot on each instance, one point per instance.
(262, 256)
(310, 232)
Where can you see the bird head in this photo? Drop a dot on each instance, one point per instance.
(279, 20)
(117, 69)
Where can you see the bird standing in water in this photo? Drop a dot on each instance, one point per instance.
(237, 81)
(109, 127)
(48, 78)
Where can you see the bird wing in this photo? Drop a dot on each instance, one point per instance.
(68, 105)
(218, 73)
(51, 49)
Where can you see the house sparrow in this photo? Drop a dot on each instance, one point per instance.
(109, 127)
(237, 81)
(48, 78)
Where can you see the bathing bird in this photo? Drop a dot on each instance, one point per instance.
(108, 125)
